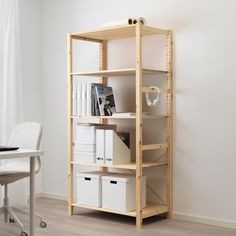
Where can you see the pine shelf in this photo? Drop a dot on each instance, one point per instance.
(130, 166)
(120, 117)
(118, 72)
(150, 210)
(123, 31)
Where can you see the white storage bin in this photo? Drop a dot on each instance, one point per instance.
(88, 157)
(89, 188)
(85, 134)
(85, 147)
(118, 192)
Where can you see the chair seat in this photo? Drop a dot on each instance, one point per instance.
(10, 174)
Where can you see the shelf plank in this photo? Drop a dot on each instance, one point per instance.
(130, 166)
(118, 72)
(154, 209)
(154, 146)
(150, 210)
(131, 213)
(120, 117)
(117, 32)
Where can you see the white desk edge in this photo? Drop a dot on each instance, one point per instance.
(20, 153)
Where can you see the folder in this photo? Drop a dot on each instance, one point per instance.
(84, 99)
(88, 94)
(116, 152)
(79, 99)
(100, 146)
(74, 99)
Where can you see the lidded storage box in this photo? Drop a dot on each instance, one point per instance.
(118, 192)
(89, 188)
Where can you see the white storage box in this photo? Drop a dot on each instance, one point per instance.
(85, 134)
(89, 188)
(85, 147)
(118, 192)
(88, 157)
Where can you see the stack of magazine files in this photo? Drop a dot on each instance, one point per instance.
(92, 99)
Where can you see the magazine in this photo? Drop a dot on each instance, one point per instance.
(105, 100)
(94, 103)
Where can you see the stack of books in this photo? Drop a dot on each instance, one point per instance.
(92, 99)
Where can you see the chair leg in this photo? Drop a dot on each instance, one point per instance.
(26, 212)
(8, 210)
(12, 213)
(5, 203)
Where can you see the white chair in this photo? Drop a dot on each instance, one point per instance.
(27, 136)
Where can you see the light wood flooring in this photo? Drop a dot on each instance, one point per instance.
(92, 223)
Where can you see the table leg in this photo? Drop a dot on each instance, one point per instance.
(32, 200)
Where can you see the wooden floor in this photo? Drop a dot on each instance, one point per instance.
(90, 223)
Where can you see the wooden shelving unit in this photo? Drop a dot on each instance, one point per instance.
(101, 36)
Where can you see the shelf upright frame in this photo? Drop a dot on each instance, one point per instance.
(69, 125)
(169, 125)
(138, 84)
(103, 80)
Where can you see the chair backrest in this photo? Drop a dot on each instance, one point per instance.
(25, 135)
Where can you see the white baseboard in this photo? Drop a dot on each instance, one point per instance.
(51, 196)
(205, 220)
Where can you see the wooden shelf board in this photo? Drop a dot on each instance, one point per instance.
(130, 166)
(150, 210)
(118, 32)
(120, 117)
(118, 72)
(154, 209)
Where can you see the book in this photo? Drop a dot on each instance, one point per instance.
(88, 95)
(84, 99)
(105, 100)
(118, 114)
(79, 99)
(123, 114)
(74, 98)
(94, 103)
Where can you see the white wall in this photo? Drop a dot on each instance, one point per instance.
(31, 69)
(204, 46)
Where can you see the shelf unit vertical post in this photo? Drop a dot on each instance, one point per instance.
(169, 64)
(70, 125)
(103, 80)
(103, 59)
(138, 126)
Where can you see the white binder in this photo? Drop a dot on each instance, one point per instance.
(88, 95)
(100, 146)
(116, 152)
(74, 99)
(79, 99)
(84, 99)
